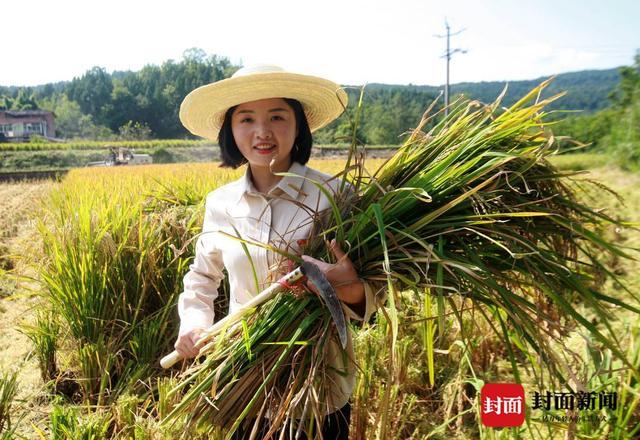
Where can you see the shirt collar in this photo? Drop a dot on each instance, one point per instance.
(291, 185)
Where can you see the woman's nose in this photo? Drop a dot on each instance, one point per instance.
(264, 131)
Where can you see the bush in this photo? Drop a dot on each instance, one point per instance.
(37, 139)
(624, 139)
(162, 155)
(134, 131)
(590, 129)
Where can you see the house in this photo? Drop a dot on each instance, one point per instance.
(19, 125)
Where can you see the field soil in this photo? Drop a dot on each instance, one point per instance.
(18, 296)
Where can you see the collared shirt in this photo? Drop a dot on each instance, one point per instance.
(282, 217)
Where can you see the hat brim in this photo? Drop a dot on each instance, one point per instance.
(202, 111)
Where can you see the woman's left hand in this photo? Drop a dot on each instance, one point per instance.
(342, 275)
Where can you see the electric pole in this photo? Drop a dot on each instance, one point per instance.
(447, 55)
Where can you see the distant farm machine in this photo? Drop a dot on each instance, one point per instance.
(122, 156)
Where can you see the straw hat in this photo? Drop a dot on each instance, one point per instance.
(202, 111)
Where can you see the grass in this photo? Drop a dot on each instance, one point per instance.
(580, 161)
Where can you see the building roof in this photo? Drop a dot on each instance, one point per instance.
(18, 113)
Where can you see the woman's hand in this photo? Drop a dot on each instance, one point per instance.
(342, 276)
(185, 344)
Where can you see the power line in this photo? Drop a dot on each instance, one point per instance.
(448, 55)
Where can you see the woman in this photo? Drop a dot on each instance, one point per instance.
(264, 116)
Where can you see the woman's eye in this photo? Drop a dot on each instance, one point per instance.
(245, 120)
(277, 118)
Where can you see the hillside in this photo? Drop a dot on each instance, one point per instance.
(587, 90)
(103, 105)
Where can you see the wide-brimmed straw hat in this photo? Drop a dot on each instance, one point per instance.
(202, 111)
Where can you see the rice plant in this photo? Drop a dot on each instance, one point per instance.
(471, 212)
(44, 334)
(606, 373)
(117, 243)
(8, 390)
(115, 258)
(103, 145)
(68, 422)
(469, 215)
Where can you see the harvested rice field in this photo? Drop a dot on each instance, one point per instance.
(76, 377)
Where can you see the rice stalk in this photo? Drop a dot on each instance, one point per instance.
(44, 334)
(428, 337)
(113, 272)
(8, 390)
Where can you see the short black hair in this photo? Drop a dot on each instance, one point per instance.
(301, 152)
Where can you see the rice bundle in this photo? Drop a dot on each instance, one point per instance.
(470, 207)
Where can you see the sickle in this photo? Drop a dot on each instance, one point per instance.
(328, 295)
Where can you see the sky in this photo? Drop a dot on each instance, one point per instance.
(351, 42)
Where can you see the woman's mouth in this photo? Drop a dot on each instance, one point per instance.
(265, 148)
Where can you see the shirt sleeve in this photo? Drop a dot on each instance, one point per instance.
(374, 297)
(195, 303)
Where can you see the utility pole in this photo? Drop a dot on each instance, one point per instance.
(447, 55)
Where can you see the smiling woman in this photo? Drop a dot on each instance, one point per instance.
(263, 117)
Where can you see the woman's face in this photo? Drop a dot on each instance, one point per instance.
(264, 130)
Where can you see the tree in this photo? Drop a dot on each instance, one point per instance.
(25, 100)
(627, 89)
(71, 122)
(92, 92)
(123, 106)
(6, 102)
(134, 131)
(590, 128)
(624, 139)
(152, 96)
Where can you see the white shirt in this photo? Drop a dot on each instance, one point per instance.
(281, 218)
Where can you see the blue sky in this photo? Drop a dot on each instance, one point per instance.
(351, 42)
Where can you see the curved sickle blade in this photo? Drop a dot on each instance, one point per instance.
(328, 295)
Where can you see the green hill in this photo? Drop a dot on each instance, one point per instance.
(587, 90)
(101, 105)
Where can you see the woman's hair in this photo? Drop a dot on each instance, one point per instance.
(233, 158)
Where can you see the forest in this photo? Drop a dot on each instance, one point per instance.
(144, 105)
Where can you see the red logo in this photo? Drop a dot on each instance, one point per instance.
(502, 404)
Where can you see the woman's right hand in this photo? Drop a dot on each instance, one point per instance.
(185, 344)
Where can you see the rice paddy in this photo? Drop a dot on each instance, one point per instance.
(129, 232)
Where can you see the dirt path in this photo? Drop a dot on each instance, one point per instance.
(18, 297)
